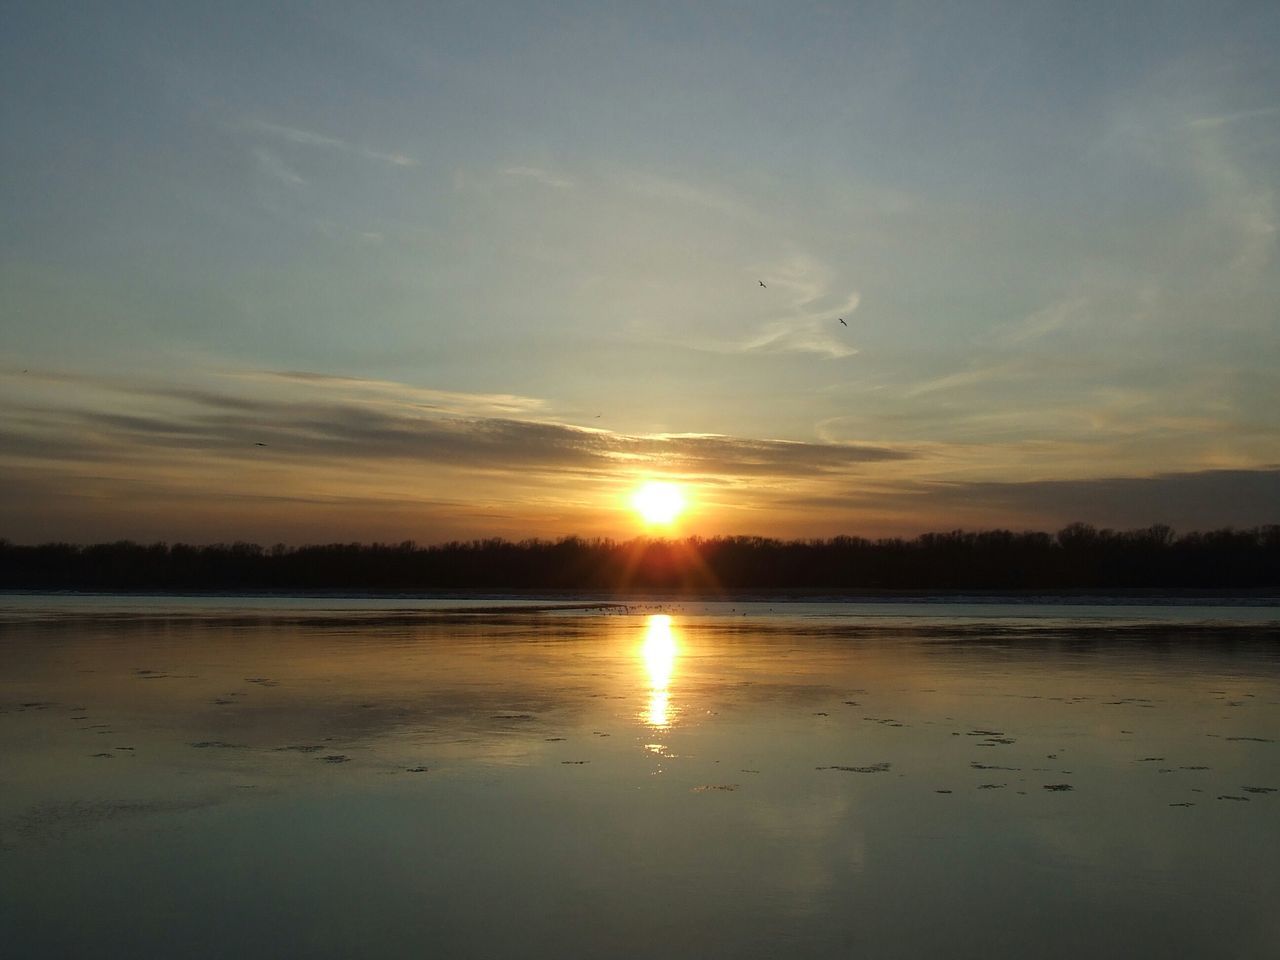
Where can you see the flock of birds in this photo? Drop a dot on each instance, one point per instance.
(766, 287)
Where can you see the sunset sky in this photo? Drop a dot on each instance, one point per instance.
(385, 271)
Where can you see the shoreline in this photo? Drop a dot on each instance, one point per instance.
(573, 599)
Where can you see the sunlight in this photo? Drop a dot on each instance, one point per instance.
(658, 502)
(659, 654)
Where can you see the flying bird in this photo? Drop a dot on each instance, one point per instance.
(259, 444)
(762, 283)
(842, 323)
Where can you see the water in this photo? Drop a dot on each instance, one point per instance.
(321, 778)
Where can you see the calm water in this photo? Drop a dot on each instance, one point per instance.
(209, 778)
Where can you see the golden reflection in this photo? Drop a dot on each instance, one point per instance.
(659, 652)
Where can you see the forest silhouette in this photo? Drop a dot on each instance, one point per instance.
(1078, 557)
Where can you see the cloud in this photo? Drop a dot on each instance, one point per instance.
(975, 376)
(445, 401)
(1045, 321)
(302, 417)
(1229, 236)
(745, 457)
(309, 139)
(294, 135)
(300, 456)
(1225, 118)
(114, 502)
(809, 320)
(232, 444)
(1188, 500)
(683, 193)
(273, 166)
(539, 176)
(1243, 201)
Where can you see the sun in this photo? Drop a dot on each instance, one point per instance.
(658, 502)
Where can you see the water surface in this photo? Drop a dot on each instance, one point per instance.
(320, 778)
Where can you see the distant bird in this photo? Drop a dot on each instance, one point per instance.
(761, 282)
(597, 416)
(842, 323)
(259, 444)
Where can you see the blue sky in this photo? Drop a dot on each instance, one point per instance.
(474, 269)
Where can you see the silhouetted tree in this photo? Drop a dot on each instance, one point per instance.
(1078, 557)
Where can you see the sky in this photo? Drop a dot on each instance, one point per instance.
(304, 272)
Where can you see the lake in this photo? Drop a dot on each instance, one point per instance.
(268, 777)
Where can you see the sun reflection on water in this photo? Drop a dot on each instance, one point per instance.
(659, 653)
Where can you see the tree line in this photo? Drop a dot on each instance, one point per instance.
(1079, 556)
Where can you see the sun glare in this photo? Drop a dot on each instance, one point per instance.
(659, 653)
(658, 502)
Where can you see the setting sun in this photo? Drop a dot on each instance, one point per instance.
(658, 502)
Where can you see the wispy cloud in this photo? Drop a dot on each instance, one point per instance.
(735, 456)
(394, 392)
(538, 175)
(271, 164)
(974, 376)
(1188, 500)
(246, 443)
(1231, 222)
(1224, 118)
(300, 416)
(682, 192)
(810, 317)
(1045, 321)
(307, 138)
(1243, 201)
